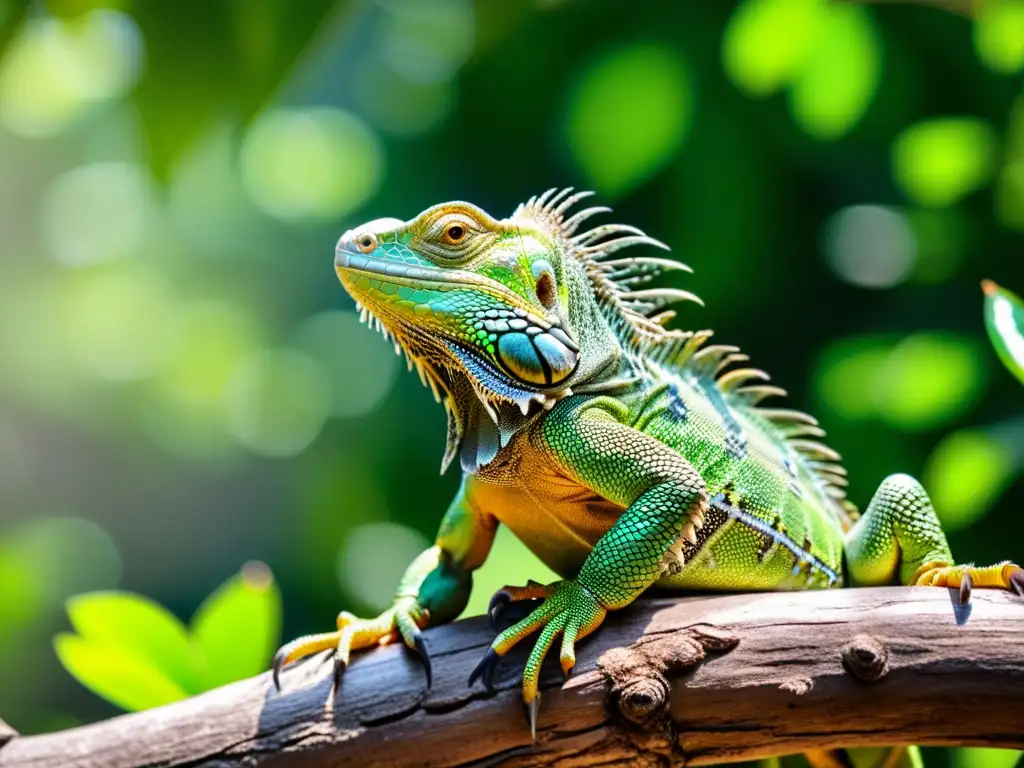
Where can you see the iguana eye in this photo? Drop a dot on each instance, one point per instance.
(455, 233)
(366, 242)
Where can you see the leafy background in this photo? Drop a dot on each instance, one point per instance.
(184, 387)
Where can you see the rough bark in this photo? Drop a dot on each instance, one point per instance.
(699, 680)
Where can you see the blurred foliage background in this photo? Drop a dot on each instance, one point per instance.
(184, 387)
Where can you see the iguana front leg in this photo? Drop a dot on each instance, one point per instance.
(899, 535)
(660, 492)
(434, 590)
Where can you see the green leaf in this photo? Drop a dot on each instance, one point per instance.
(767, 42)
(116, 674)
(1004, 320)
(937, 162)
(120, 623)
(238, 626)
(838, 81)
(628, 117)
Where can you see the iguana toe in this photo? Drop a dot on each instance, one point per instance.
(967, 578)
(402, 620)
(509, 594)
(302, 648)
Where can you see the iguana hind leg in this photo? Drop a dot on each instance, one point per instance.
(899, 535)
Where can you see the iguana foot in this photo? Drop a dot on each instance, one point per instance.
(1005, 575)
(403, 620)
(569, 609)
(533, 590)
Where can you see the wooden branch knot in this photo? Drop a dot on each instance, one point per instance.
(866, 658)
(639, 674)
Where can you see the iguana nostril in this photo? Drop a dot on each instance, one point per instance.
(366, 242)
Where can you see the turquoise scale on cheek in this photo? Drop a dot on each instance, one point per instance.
(519, 356)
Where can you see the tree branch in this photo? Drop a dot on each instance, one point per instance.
(784, 672)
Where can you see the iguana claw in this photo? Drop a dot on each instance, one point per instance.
(499, 600)
(531, 716)
(421, 648)
(1017, 583)
(508, 594)
(276, 666)
(966, 583)
(486, 669)
(340, 666)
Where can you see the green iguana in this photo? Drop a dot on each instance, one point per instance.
(624, 454)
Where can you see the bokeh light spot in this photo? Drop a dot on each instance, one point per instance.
(846, 378)
(23, 594)
(97, 213)
(937, 162)
(215, 338)
(361, 365)
(838, 81)
(277, 402)
(208, 207)
(767, 42)
(999, 35)
(427, 42)
(628, 116)
(400, 106)
(188, 416)
(941, 236)
(69, 555)
(870, 246)
(1010, 184)
(966, 474)
(57, 68)
(917, 384)
(318, 163)
(931, 378)
(122, 320)
(373, 558)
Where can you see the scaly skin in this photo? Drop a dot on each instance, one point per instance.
(623, 454)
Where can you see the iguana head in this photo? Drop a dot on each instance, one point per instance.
(503, 315)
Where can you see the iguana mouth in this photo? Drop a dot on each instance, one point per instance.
(414, 275)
